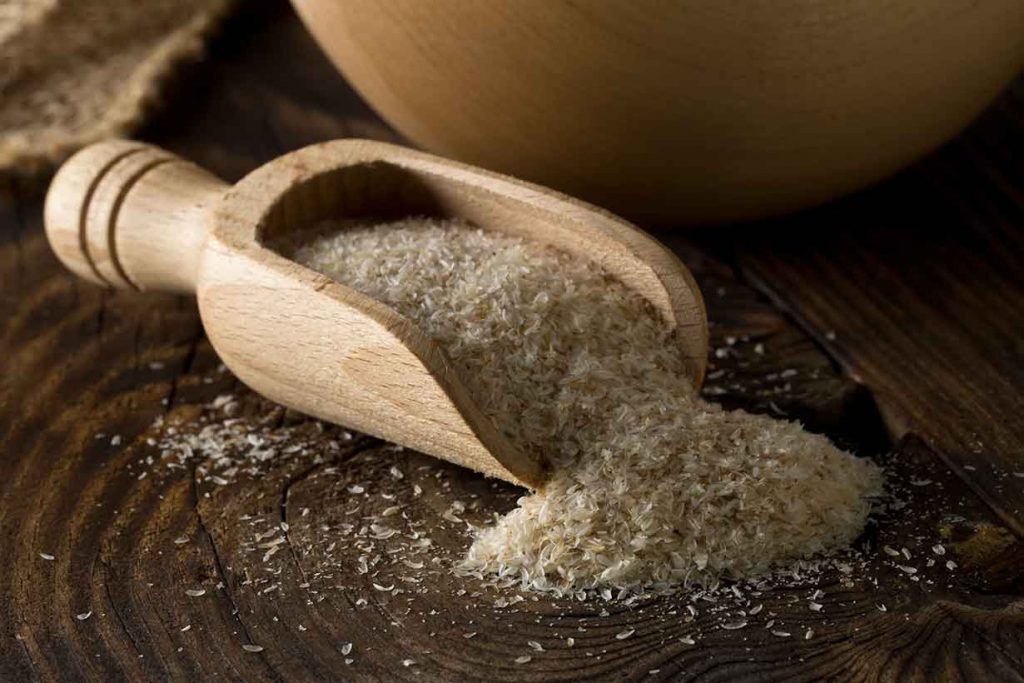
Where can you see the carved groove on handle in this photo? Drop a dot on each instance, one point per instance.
(130, 215)
(116, 209)
(83, 241)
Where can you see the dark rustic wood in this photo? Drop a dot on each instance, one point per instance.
(129, 535)
(917, 289)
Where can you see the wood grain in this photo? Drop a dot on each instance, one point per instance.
(127, 547)
(79, 361)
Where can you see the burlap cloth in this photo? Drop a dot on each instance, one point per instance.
(75, 71)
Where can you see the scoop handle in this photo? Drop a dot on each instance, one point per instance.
(130, 215)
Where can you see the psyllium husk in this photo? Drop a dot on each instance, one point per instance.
(652, 486)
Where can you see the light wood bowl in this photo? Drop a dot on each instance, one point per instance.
(690, 111)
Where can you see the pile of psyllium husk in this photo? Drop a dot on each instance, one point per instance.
(652, 487)
(384, 526)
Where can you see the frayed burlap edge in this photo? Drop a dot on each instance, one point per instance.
(27, 154)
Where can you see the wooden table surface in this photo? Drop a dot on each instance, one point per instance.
(891, 320)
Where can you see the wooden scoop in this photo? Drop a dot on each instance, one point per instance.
(125, 214)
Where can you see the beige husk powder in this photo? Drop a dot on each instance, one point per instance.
(652, 486)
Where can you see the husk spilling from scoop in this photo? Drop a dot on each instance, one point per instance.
(652, 485)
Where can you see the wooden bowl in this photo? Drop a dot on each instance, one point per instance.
(688, 111)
